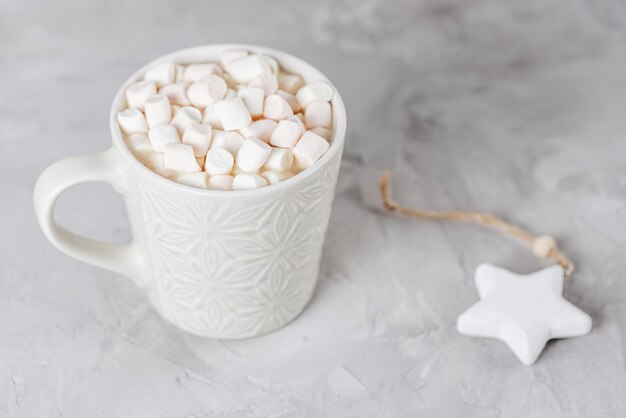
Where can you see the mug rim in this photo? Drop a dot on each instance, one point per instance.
(336, 144)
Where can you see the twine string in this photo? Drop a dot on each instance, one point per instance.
(469, 216)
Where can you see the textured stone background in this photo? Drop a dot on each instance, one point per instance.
(512, 107)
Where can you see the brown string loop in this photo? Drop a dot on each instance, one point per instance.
(468, 216)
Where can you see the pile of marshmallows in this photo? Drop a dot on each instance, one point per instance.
(242, 125)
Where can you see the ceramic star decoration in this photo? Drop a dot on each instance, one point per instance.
(523, 311)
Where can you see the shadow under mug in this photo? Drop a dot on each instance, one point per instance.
(222, 264)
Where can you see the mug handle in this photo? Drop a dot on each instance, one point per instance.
(103, 166)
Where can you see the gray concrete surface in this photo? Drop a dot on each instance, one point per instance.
(517, 108)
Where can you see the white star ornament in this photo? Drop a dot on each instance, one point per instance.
(523, 311)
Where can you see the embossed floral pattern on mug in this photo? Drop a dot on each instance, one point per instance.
(241, 267)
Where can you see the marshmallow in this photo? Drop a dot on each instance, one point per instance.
(158, 111)
(137, 140)
(261, 129)
(186, 117)
(228, 140)
(180, 158)
(309, 149)
(274, 177)
(232, 113)
(138, 93)
(290, 83)
(266, 81)
(199, 137)
(176, 93)
(280, 159)
(318, 114)
(252, 155)
(161, 135)
(161, 74)
(252, 98)
(319, 91)
(230, 93)
(139, 145)
(275, 107)
(197, 72)
(198, 179)
(211, 118)
(327, 134)
(287, 134)
(156, 163)
(132, 121)
(180, 73)
(245, 181)
(218, 161)
(244, 69)
(219, 182)
(205, 92)
(232, 55)
(174, 109)
(291, 99)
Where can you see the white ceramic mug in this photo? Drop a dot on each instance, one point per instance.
(223, 264)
